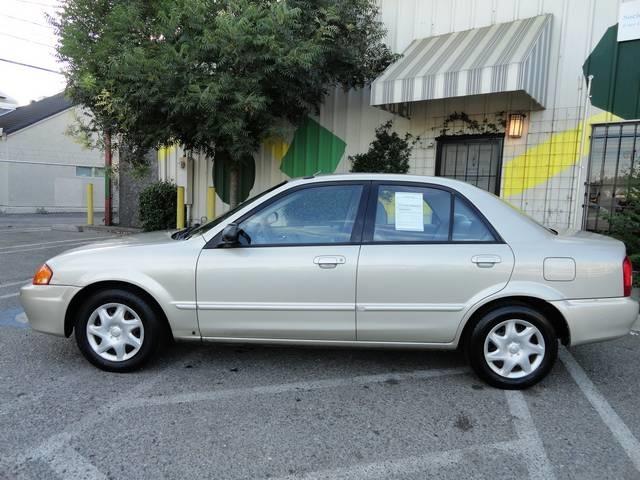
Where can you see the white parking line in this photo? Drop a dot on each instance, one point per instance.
(25, 230)
(69, 240)
(527, 447)
(214, 395)
(40, 244)
(67, 245)
(50, 447)
(67, 463)
(404, 467)
(10, 295)
(534, 454)
(619, 429)
(13, 284)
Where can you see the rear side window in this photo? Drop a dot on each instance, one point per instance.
(415, 214)
(467, 225)
(407, 213)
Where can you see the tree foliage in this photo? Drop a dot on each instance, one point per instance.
(388, 153)
(214, 75)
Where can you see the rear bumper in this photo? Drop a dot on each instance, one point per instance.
(598, 319)
(46, 306)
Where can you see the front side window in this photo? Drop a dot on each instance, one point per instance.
(313, 215)
(406, 214)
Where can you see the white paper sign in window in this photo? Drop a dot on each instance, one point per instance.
(409, 212)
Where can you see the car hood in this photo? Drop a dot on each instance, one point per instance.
(138, 240)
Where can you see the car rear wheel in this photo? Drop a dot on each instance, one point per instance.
(117, 331)
(512, 347)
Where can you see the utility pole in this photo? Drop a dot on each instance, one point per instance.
(107, 178)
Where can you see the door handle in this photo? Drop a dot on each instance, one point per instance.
(486, 261)
(329, 261)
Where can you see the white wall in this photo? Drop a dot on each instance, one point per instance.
(38, 168)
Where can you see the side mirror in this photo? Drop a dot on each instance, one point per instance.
(230, 234)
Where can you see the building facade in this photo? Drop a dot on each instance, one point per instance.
(536, 101)
(42, 168)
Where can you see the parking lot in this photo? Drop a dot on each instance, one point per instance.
(215, 411)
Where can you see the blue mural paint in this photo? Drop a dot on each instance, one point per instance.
(8, 318)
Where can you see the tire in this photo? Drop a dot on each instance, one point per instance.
(528, 355)
(129, 325)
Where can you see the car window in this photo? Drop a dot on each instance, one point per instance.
(407, 213)
(467, 225)
(313, 215)
(218, 220)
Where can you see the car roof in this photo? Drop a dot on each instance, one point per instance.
(392, 177)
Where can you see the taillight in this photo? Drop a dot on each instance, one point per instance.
(627, 276)
(43, 275)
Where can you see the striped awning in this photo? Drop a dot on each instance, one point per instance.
(504, 57)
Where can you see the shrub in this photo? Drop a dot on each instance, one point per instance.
(158, 206)
(624, 224)
(388, 153)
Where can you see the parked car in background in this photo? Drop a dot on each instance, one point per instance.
(347, 260)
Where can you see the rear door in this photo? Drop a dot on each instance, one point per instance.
(427, 256)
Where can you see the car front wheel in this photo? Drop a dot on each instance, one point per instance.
(512, 347)
(117, 331)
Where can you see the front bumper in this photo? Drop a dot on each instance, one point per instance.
(598, 319)
(46, 306)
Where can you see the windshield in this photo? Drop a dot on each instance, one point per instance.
(217, 221)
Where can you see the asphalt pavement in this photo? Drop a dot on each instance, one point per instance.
(215, 411)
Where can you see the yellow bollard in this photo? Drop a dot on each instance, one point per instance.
(211, 203)
(89, 203)
(180, 209)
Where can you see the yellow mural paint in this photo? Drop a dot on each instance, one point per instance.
(541, 162)
(278, 148)
(164, 152)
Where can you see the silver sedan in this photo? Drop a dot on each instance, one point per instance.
(358, 260)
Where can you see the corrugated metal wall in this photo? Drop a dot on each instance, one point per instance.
(541, 170)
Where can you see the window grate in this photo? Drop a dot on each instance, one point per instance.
(473, 159)
(613, 156)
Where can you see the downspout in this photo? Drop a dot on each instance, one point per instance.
(585, 206)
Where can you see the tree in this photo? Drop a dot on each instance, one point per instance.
(388, 153)
(216, 76)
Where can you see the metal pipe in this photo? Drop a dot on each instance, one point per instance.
(211, 203)
(583, 136)
(90, 204)
(180, 209)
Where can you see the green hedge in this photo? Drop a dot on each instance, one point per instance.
(158, 206)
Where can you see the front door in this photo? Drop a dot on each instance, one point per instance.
(293, 274)
(427, 256)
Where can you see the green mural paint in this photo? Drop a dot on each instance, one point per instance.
(221, 169)
(616, 75)
(313, 149)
